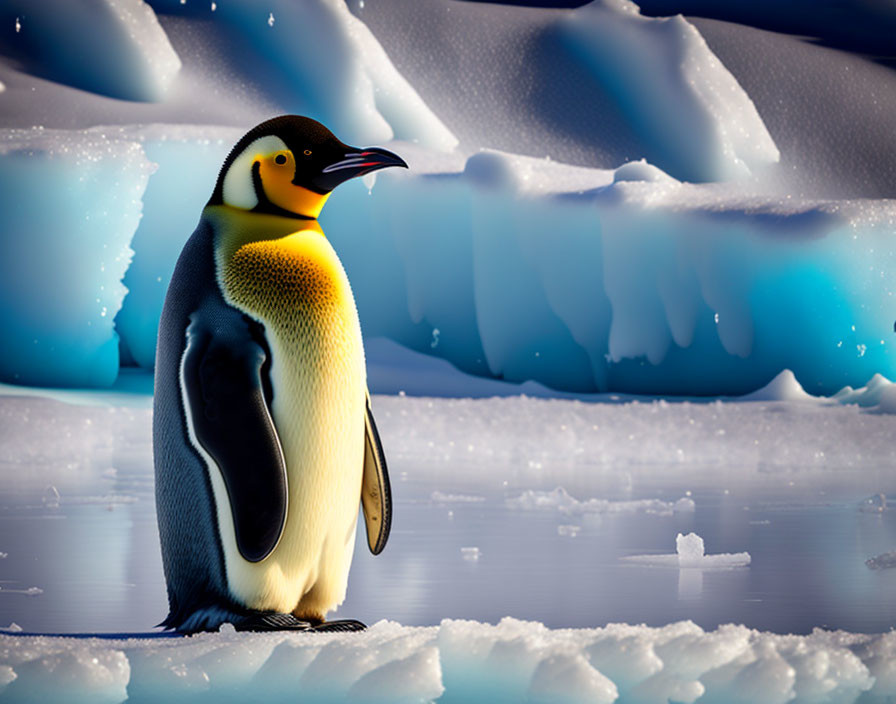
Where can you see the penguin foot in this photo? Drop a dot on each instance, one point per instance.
(272, 622)
(345, 625)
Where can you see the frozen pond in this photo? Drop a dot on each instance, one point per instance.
(98, 568)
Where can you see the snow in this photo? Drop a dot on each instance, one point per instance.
(690, 554)
(696, 121)
(57, 39)
(459, 661)
(317, 59)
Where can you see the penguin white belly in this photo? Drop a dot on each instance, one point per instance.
(296, 287)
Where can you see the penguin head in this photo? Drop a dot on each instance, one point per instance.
(289, 165)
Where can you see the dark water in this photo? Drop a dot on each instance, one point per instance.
(99, 569)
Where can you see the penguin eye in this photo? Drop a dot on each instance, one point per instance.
(280, 159)
(307, 152)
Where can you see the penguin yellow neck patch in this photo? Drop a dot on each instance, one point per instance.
(276, 172)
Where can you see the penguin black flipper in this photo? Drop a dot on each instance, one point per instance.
(227, 395)
(376, 494)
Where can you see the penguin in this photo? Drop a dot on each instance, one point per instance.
(264, 442)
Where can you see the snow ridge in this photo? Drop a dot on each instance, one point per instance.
(458, 661)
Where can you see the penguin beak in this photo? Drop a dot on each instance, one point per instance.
(356, 162)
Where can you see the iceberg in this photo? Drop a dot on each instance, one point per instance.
(70, 203)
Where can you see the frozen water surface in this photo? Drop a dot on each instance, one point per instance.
(514, 508)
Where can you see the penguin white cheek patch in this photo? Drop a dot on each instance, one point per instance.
(238, 189)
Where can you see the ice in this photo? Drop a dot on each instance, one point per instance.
(690, 549)
(172, 205)
(690, 555)
(696, 120)
(560, 500)
(459, 661)
(883, 561)
(58, 39)
(70, 203)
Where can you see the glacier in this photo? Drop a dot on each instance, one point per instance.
(582, 280)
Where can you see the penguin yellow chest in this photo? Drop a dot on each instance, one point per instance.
(296, 287)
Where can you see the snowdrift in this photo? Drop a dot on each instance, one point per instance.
(457, 661)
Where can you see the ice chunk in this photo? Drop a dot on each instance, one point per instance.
(883, 561)
(59, 670)
(113, 47)
(442, 498)
(559, 499)
(470, 554)
(690, 550)
(50, 498)
(877, 503)
(568, 530)
(70, 203)
(696, 120)
(690, 554)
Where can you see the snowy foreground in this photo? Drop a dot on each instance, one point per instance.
(459, 661)
(457, 453)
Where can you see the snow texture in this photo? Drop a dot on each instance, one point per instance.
(57, 39)
(458, 661)
(535, 442)
(70, 203)
(317, 59)
(695, 118)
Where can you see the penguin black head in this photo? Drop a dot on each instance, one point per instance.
(289, 165)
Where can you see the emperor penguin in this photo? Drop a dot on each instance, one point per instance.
(264, 442)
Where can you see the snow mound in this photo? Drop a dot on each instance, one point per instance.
(317, 59)
(783, 387)
(60, 40)
(70, 203)
(877, 392)
(697, 122)
(458, 661)
(560, 500)
(690, 553)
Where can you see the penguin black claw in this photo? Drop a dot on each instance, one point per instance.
(347, 625)
(272, 622)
